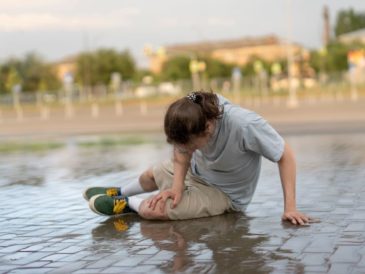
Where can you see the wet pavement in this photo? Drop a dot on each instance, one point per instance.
(46, 226)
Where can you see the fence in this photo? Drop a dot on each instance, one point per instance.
(250, 90)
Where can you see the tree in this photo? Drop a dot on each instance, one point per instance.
(333, 58)
(96, 67)
(176, 68)
(349, 20)
(249, 68)
(216, 68)
(32, 71)
(12, 79)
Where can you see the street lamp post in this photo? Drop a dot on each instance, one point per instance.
(292, 98)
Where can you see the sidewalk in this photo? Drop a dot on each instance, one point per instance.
(308, 118)
(46, 226)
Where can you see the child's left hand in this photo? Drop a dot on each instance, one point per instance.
(296, 217)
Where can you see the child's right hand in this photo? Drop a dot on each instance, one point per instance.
(174, 194)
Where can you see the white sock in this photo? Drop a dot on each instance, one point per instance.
(134, 202)
(132, 188)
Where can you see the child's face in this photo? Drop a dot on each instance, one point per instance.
(198, 142)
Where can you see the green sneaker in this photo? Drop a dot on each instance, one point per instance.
(110, 191)
(105, 205)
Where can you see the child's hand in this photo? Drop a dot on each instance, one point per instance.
(296, 217)
(172, 193)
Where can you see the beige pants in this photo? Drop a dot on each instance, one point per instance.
(199, 199)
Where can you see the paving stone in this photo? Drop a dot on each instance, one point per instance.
(24, 270)
(345, 254)
(310, 259)
(358, 270)
(12, 248)
(72, 249)
(69, 267)
(132, 261)
(103, 263)
(355, 227)
(31, 257)
(321, 244)
(317, 269)
(340, 268)
(295, 244)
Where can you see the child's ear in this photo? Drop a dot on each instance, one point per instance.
(208, 126)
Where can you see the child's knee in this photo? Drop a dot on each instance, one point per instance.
(148, 174)
(152, 214)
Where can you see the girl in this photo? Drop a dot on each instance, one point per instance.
(215, 168)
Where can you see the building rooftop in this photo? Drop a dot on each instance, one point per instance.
(233, 43)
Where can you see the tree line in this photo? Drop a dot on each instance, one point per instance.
(34, 73)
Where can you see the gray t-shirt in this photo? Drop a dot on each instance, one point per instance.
(231, 160)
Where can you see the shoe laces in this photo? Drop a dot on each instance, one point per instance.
(112, 192)
(119, 205)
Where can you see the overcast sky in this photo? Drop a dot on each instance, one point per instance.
(59, 28)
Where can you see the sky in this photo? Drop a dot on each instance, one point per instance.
(57, 28)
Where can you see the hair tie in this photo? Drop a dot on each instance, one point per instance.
(192, 97)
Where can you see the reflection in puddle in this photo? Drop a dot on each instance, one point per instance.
(221, 244)
(71, 163)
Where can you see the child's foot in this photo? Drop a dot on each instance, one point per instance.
(110, 191)
(105, 205)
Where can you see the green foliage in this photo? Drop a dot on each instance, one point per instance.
(216, 68)
(248, 69)
(96, 67)
(333, 58)
(12, 147)
(176, 68)
(31, 71)
(12, 79)
(111, 142)
(349, 20)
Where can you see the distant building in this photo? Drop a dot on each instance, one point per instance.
(350, 37)
(65, 67)
(237, 52)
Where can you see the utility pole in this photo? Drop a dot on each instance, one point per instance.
(292, 98)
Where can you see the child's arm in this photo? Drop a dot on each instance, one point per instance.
(181, 165)
(287, 168)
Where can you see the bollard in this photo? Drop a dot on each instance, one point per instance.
(19, 113)
(44, 113)
(119, 108)
(69, 111)
(143, 108)
(95, 112)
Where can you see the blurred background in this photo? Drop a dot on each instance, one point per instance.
(104, 72)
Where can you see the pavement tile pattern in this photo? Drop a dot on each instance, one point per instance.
(48, 228)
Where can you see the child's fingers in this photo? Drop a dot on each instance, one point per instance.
(154, 201)
(176, 201)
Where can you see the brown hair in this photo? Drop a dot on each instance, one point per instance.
(188, 116)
